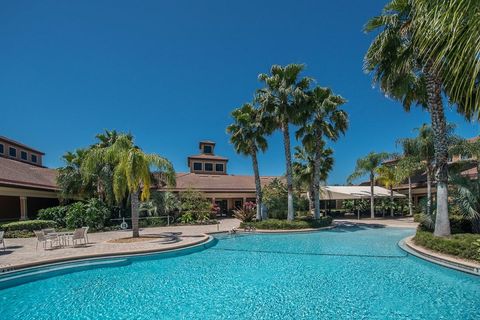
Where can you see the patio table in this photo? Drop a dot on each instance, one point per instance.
(63, 236)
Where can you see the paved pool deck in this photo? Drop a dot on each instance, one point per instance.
(21, 253)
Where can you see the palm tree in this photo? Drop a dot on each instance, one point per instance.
(322, 119)
(467, 197)
(132, 176)
(387, 176)
(304, 172)
(247, 134)
(282, 98)
(69, 177)
(447, 33)
(406, 168)
(471, 148)
(408, 76)
(368, 165)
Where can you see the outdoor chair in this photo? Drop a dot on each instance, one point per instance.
(78, 235)
(43, 238)
(2, 241)
(85, 234)
(47, 231)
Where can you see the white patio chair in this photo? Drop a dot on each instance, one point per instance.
(78, 235)
(85, 230)
(2, 241)
(41, 237)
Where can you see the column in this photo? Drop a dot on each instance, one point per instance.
(23, 208)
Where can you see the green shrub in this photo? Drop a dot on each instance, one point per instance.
(458, 224)
(247, 213)
(152, 222)
(28, 225)
(417, 217)
(276, 224)
(92, 213)
(194, 207)
(462, 245)
(56, 214)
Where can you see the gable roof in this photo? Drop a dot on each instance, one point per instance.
(19, 174)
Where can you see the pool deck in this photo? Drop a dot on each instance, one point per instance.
(21, 253)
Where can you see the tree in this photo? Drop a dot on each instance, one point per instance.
(406, 168)
(387, 176)
(368, 165)
(322, 119)
(447, 33)
(247, 134)
(406, 74)
(282, 99)
(470, 148)
(303, 169)
(467, 197)
(131, 176)
(69, 177)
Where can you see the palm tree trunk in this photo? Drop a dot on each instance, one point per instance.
(429, 192)
(410, 204)
(372, 197)
(258, 185)
(288, 162)
(391, 201)
(135, 205)
(439, 125)
(310, 197)
(316, 179)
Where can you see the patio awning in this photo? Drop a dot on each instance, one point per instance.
(354, 192)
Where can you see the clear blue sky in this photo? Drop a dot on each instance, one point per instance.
(170, 72)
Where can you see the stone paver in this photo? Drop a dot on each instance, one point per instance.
(22, 252)
(397, 222)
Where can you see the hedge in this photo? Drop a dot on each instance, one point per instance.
(276, 224)
(28, 225)
(463, 245)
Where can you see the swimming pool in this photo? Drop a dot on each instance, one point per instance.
(348, 272)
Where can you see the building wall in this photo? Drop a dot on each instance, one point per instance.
(213, 162)
(6, 153)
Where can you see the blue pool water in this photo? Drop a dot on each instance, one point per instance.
(344, 273)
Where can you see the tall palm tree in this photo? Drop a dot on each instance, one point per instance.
(447, 33)
(322, 119)
(405, 74)
(69, 177)
(304, 169)
(132, 175)
(247, 134)
(368, 165)
(387, 176)
(406, 168)
(282, 98)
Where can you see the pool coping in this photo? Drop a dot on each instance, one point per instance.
(408, 246)
(25, 266)
(289, 230)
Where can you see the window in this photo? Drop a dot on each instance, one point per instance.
(208, 167)
(33, 158)
(23, 155)
(197, 166)
(12, 152)
(219, 167)
(207, 149)
(2, 149)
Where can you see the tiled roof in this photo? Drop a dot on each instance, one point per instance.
(207, 156)
(21, 145)
(16, 173)
(210, 182)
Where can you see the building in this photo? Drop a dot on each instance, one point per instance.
(208, 174)
(25, 185)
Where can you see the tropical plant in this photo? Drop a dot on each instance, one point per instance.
(247, 213)
(322, 119)
(369, 165)
(131, 175)
(69, 178)
(92, 213)
(470, 148)
(247, 134)
(466, 196)
(303, 169)
(404, 72)
(447, 33)
(194, 206)
(282, 99)
(388, 176)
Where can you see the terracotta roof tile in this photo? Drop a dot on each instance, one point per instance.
(211, 182)
(21, 145)
(16, 173)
